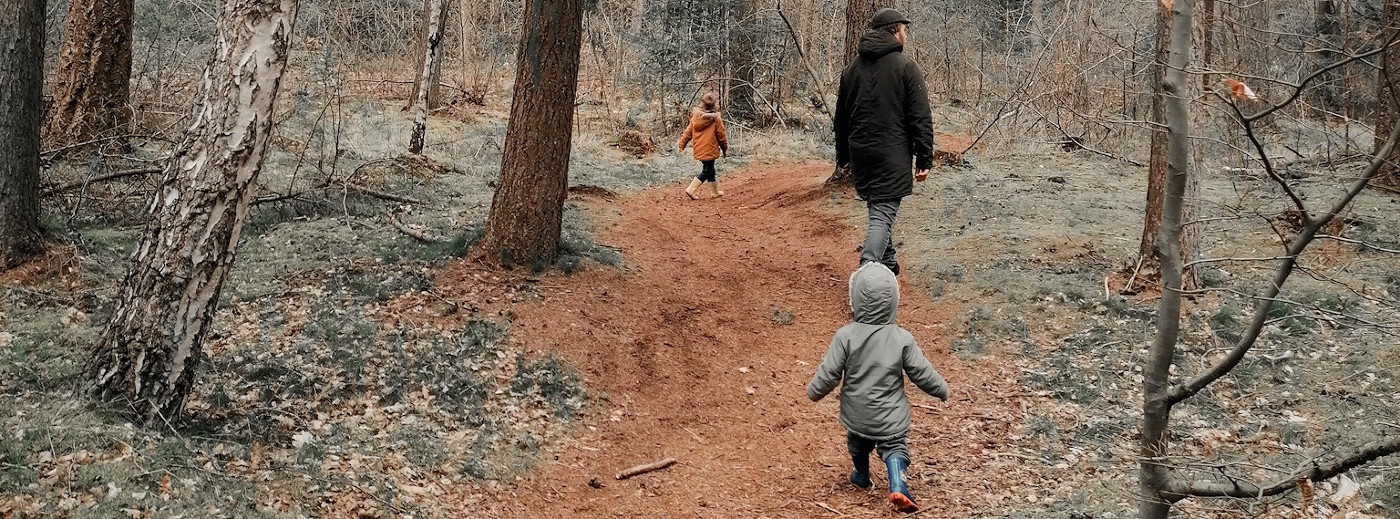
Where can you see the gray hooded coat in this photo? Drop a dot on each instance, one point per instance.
(871, 357)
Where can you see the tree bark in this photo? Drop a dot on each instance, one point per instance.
(1157, 168)
(1154, 475)
(527, 211)
(858, 13)
(21, 111)
(146, 357)
(425, 84)
(1388, 94)
(92, 84)
(430, 43)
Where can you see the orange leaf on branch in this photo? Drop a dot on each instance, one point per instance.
(1241, 91)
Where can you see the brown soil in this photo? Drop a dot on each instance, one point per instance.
(686, 346)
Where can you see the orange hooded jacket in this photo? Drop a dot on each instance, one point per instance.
(706, 130)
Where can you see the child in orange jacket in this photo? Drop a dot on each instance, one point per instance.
(706, 130)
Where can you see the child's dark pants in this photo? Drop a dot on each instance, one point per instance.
(861, 446)
(707, 174)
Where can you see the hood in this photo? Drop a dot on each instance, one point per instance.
(700, 119)
(874, 294)
(876, 44)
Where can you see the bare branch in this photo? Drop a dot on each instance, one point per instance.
(1303, 85)
(1261, 312)
(1312, 472)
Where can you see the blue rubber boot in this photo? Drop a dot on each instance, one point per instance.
(899, 486)
(860, 477)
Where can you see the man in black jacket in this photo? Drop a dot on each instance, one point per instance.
(884, 129)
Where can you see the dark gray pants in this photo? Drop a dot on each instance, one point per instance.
(860, 447)
(879, 233)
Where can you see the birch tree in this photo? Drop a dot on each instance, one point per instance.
(146, 357)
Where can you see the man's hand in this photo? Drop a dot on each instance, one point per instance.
(920, 175)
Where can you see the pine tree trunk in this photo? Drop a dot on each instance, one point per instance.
(527, 212)
(430, 41)
(92, 85)
(858, 13)
(146, 357)
(21, 108)
(1154, 472)
(425, 84)
(1388, 93)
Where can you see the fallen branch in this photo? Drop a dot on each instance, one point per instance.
(380, 194)
(1312, 472)
(643, 469)
(415, 234)
(116, 175)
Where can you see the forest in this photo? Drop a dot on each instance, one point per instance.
(439, 259)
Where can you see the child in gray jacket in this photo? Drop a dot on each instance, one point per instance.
(870, 357)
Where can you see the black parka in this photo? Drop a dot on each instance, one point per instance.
(883, 122)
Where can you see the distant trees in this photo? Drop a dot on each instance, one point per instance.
(527, 211)
(146, 357)
(92, 84)
(21, 113)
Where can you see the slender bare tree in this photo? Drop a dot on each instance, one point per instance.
(21, 108)
(92, 85)
(527, 212)
(430, 35)
(426, 82)
(146, 357)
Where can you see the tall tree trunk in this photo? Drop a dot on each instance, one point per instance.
(1154, 474)
(1388, 93)
(145, 359)
(92, 85)
(1157, 166)
(527, 212)
(430, 44)
(1208, 17)
(21, 110)
(858, 13)
(426, 83)
(1157, 160)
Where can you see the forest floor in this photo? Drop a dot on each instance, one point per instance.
(354, 371)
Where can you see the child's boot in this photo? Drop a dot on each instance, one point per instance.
(860, 477)
(690, 191)
(899, 485)
(714, 188)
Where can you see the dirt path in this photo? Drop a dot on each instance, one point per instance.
(685, 346)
